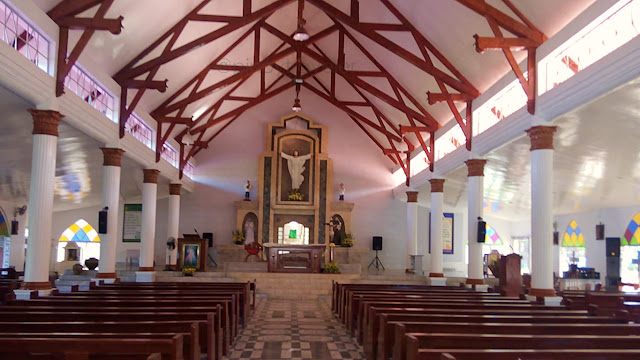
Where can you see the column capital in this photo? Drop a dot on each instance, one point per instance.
(541, 137)
(174, 189)
(112, 156)
(437, 185)
(150, 176)
(45, 122)
(412, 196)
(475, 167)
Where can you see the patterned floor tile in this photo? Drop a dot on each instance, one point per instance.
(285, 329)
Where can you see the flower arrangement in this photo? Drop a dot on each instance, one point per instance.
(348, 240)
(295, 195)
(332, 244)
(332, 268)
(238, 237)
(188, 271)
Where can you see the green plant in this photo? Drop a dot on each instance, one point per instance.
(295, 195)
(332, 268)
(238, 237)
(188, 271)
(348, 240)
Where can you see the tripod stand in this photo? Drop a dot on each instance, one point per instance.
(376, 262)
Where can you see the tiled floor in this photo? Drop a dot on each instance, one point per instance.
(290, 329)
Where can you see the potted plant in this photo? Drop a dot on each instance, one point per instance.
(238, 237)
(348, 240)
(295, 195)
(332, 268)
(188, 271)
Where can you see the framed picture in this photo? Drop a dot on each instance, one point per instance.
(600, 232)
(132, 224)
(192, 253)
(447, 233)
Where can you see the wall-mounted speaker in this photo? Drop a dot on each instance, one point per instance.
(600, 232)
(482, 231)
(377, 243)
(102, 221)
(613, 247)
(209, 237)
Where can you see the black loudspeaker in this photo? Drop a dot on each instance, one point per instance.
(208, 236)
(102, 221)
(482, 231)
(14, 227)
(613, 263)
(377, 243)
(613, 247)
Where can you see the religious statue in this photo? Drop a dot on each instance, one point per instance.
(296, 167)
(342, 191)
(247, 190)
(249, 231)
(336, 230)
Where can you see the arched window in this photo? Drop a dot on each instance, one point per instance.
(491, 237)
(80, 231)
(572, 250)
(85, 236)
(629, 251)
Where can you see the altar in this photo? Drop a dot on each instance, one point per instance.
(294, 258)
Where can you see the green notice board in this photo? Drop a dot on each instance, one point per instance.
(132, 224)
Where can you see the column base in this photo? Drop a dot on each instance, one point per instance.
(480, 288)
(436, 275)
(542, 292)
(145, 276)
(437, 281)
(23, 294)
(475, 282)
(549, 300)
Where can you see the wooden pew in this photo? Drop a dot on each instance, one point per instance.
(452, 307)
(417, 341)
(84, 349)
(529, 354)
(123, 329)
(227, 317)
(402, 329)
(381, 333)
(210, 328)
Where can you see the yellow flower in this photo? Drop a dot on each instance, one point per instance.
(332, 245)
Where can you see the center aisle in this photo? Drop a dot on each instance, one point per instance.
(290, 329)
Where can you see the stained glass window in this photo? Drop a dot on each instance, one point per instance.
(80, 231)
(573, 236)
(4, 227)
(491, 237)
(632, 234)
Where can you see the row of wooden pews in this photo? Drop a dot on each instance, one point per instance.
(168, 321)
(617, 304)
(6, 288)
(421, 322)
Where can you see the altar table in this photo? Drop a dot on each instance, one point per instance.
(294, 258)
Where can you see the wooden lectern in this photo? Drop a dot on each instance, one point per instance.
(510, 278)
(192, 252)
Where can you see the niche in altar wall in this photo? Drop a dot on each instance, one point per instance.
(250, 227)
(294, 229)
(296, 164)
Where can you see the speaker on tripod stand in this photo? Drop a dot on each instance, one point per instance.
(377, 246)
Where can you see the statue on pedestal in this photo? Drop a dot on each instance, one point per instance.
(342, 191)
(247, 191)
(296, 167)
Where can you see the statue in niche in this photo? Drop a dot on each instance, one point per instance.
(337, 231)
(295, 163)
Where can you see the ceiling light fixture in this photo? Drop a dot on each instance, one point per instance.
(296, 105)
(301, 34)
(187, 139)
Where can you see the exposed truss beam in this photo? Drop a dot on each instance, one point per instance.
(528, 38)
(64, 14)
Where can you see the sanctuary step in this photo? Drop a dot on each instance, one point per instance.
(201, 276)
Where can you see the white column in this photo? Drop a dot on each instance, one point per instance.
(173, 222)
(412, 229)
(475, 185)
(110, 199)
(436, 257)
(43, 167)
(542, 211)
(148, 233)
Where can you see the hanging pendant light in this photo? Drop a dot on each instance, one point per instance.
(296, 105)
(301, 34)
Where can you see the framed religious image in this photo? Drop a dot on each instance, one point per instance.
(447, 233)
(132, 223)
(192, 253)
(72, 255)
